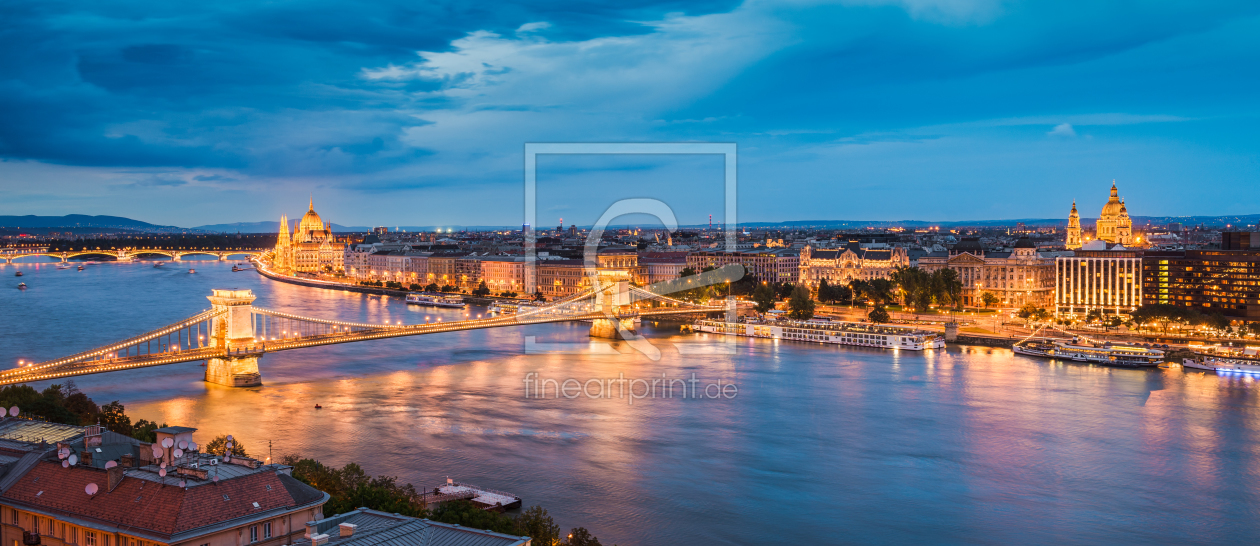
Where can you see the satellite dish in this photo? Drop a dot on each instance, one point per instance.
(162, 464)
(74, 459)
(183, 483)
(65, 464)
(157, 452)
(183, 444)
(90, 489)
(110, 464)
(216, 479)
(14, 411)
(229, 438)
(178, 452)
(227, 458)
(168, 442)
(192, 446)
(229, 445)
(162, 472)
(63, 453)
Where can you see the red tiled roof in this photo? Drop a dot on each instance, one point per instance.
(146, 505)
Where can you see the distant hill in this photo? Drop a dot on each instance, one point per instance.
(268, 227)
(79, 220)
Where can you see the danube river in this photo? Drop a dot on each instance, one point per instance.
(821, 445)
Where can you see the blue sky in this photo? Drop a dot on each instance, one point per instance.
(416, 113)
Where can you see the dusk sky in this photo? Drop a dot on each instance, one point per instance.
(416, 113)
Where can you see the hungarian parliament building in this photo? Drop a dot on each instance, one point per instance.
(310, 249)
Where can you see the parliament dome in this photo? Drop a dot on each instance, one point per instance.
(311, 220)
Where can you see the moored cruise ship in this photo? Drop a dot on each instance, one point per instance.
(453, 302)
(1078, 350)
(1225, 360)
(859, 334)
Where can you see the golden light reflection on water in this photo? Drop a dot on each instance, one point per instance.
(964, 445)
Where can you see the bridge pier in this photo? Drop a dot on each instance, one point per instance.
(235, 329)
(605, 329)
(234, 371)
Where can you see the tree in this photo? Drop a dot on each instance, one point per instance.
(881, 291)
(536, 524)
(800, 305)
(144, 430)
(1094, 315)
(861, 291)
(1031, 313)
(763, 296)
(988, 299)
(579, 536)
(482, 290)
(843, 294)
(415, 287)
(538, 296)
(914, 286)
(1217, 322)
(947, 288)
(114, 419)
(878, 315)
(218, 446)
(431, 287)
(824, 292)
(349, 487)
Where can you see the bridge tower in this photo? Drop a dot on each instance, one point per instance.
(235, 332)
(613, 292)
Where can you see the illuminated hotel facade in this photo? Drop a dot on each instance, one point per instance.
(1107, 280)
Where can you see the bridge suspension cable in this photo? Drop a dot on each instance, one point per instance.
(183, 330)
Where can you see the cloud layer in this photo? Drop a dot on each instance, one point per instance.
(234, 111)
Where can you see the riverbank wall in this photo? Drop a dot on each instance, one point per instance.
(313, 283)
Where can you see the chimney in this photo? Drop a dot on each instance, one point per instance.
(115, 477)
(319, 540)
(347, 529)
(312, 529)
(85, 457)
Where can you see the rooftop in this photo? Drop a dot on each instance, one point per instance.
(373, 528)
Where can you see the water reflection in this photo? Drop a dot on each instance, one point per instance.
(822, 444)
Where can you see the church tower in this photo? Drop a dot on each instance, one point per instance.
(1074, 228)
(1124, 226)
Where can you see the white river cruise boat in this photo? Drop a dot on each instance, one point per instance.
(1110, 354)
(858, 334)
(430, 300)
(1226, 360)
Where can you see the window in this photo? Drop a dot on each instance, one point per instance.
(253, 534)
(89, 538)
(15, 517)
(267, 530)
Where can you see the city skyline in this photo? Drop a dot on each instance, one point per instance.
(942, 111)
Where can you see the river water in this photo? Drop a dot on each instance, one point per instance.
(820, 445)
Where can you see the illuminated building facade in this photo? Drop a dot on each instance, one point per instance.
(310, 249)
(844, 265)
(765, 265)
(1114, 225)
(1223, 281)
(1016, 277)
(1096, 278)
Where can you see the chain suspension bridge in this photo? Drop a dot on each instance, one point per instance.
(233, 334)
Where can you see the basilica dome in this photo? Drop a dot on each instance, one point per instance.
(1113, 206)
